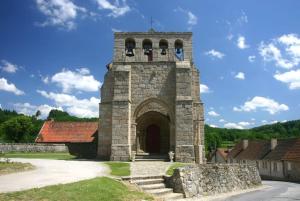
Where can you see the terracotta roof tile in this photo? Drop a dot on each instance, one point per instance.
(63, 132)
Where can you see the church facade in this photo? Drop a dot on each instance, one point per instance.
(150, 98)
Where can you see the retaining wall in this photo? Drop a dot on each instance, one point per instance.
(32, 147)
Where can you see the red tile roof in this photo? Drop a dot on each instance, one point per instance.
(286, 149)
(293, 153)
(62, 132)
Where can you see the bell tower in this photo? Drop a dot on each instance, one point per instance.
(150, 99)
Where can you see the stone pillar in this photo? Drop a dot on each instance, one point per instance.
(184, 151)
(121, 114)
(133, 137)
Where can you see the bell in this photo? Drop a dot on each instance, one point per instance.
(178, 51)
(147, 51)
(129, 52)
(163, 51)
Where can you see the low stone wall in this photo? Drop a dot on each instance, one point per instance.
(32, 147)
(210, 179)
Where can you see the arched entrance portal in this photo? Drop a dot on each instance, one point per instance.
(153, 133)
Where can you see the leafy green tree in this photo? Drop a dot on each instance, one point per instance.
(18, 129)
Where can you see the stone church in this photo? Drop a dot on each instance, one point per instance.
(150, 99)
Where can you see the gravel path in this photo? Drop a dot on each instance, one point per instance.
(50, 172)
(149, 168)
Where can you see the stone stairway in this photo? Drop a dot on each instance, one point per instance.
(155, 185)
(151, 157)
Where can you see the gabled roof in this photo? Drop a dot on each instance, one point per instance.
(293, 153)
(223, 152)
(282, 148)
(256, 150)
(62, 132)
(286, 149)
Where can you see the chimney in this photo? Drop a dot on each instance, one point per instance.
(273, 143)
(245, 144)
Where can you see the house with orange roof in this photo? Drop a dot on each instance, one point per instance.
(79, 137)
(275, 159)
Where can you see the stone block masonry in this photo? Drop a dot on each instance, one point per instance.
(32, 147)
(210, 179)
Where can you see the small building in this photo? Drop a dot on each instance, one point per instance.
(275, 159)
(219, 155)
(79, 137)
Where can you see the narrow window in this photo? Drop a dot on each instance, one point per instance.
(129, 47)
(179, 50)
(163, 46)
(147, 47)
(289, 166)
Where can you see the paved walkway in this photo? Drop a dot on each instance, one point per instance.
(146, 168)
(50, 172)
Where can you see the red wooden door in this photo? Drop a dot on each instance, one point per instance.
(153, 139)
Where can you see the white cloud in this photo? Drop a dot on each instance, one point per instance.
(239, 125)
(251, 58)
(213, 126)
(192, 18)
(265, 104)
(222, 120)
(79, 79)
(292, 78)
(8, 67)
(61, 13)
(241, 42)
(73, 105)
(28, 109)
(213, 114)
(243, 18)
(10, 87)
(240, 76)
(284, 51)
(233, 125)
(204, 89)
(116, 30)
(117, 9)
(215, 54)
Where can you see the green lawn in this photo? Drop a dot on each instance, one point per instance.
(175, 165)
(97, 189)
(11, 167)
(119, 168)
(41, 155)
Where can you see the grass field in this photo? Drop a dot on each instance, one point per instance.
(170, 171)
(97, 189)
(119, 168)
(41, 155)
(11, 167)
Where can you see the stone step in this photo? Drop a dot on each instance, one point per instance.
(151, 156)
(160, 191)
(150, 159)
(152, 186)
(148, 181)
(129, 178)
(172, 196)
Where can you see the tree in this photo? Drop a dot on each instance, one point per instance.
(37, 114)
(18, 129)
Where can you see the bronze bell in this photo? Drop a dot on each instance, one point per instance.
(129, 52)
(178, 51)
(146, 51)
(163, 51)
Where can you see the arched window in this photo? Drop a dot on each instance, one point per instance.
(147, 46)
(163, 45)
(129, 47)
(179, 50)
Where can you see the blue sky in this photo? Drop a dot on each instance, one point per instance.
(53, 54)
